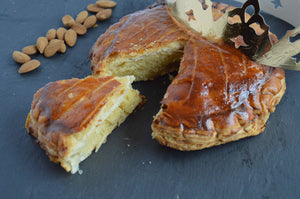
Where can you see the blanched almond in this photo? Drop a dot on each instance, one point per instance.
(53, 47)
(29, 66)
(90, 21)
(104, 14)
(68, 21)
(61, 33)
(79, 29)
(20, 57)
(106, 4)
(51, 34)
(70, 37)
(81, 16)
(41, 44)
(30, 50)
(93, 8)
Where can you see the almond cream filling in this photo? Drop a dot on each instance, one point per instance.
(95, 135)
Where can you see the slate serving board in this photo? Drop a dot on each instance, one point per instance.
(131, 164)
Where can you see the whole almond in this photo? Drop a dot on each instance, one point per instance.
(29, 66)
(81, 16)
(93, 8)
(51, 34)
(61, 33)
(106, 4)
(53, 46)
(90, 21)
(20, 57)
(79, 28)
(104, 14)
(70, 37)
(62, 48)
(68, 21)
(41, 44)
(30, 50)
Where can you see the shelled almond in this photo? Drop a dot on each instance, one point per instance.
(60, 33)
(71, 37)
(81, 17)
(29, 66)
(90, 21)
(20, 57)
(30, 50)
(106, 4)
(68, 21)
(53, 47)
(104, 14)
(93, 8)
(41, 44)
(51, 34)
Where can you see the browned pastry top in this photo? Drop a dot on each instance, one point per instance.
(135, 33)
(213, 80)
(148, 29)
(67, 106)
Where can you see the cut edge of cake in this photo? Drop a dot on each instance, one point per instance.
(144, 66)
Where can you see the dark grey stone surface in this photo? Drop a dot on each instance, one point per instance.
(131, 164)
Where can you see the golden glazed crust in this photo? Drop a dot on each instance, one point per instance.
(56, 106)
(218, 96)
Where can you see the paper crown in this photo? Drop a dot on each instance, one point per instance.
(197, 16)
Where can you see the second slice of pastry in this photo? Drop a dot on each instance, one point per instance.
(71, 118)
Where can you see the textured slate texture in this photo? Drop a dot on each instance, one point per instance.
(131, 164)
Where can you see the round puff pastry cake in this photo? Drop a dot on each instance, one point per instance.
(218, 96)
(71, 118)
